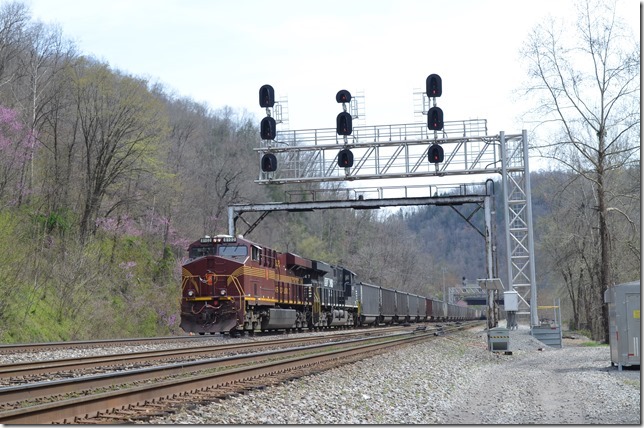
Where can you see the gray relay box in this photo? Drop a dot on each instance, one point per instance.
(624, 323)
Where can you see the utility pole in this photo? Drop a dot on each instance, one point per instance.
(444, 294)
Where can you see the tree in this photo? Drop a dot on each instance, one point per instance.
(118, 123)
(36, 89)
(567, 242)
(14, 17)
(586, 79)
(16, 144)
(225, 168)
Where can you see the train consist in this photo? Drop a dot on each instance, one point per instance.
(232, 285)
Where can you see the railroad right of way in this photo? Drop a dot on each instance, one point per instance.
(450, 381)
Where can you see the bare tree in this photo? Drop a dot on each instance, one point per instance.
(586, 78)
(119, 123)
(14, 18)
(225, 168)
(40, 64)
(568, 243)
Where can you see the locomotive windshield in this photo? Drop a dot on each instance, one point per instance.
(202, 251)
(233, 251)
(218, 250)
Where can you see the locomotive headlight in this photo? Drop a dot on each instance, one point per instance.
(223, 292)
(191, 293)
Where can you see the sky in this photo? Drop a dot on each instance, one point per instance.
(220, 52)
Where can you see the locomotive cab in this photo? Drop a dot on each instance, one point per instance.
(230, 284)
(208, 303)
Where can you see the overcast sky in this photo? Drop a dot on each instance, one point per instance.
(220, 52)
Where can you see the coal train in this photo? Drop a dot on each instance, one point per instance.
(233, 285)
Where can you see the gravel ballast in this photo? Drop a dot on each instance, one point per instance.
(451, 380)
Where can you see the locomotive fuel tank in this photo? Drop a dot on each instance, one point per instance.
(279, 319)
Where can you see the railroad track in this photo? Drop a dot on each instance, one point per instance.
(24, 372)
(141, 393)
(86, 344)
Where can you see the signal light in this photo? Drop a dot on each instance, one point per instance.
(435, 119)
(269, 162)
(266, 96)
(344, 125)
(268, 128)
(435, 153)
(345, 158)
(343, 96)
(434, 85)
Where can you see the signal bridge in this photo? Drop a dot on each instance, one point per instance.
(436, 149)
(386, 151)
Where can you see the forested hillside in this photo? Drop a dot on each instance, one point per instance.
(106, 177)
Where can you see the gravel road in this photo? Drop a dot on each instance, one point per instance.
(453, 380)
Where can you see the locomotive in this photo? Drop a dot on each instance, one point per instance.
(233, 285)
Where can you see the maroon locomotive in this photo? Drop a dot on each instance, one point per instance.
(232, 285)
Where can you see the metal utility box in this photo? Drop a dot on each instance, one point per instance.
(498, 339)
(511, 301)
(624, 323)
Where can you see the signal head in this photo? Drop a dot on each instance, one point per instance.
(266, 96)
(269, 162)
(345, 158)
(435, 119)
(344, 123)
(436, 153)
(268, 128)
(434, 85)
(343, 96)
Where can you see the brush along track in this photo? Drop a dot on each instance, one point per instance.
(130, 395)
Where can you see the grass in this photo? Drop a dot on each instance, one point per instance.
(592, 343)
(631, 382)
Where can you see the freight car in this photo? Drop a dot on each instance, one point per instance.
(233, 285)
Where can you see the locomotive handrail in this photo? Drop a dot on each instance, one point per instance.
(241, 294)
(235, 282)
(187, 279)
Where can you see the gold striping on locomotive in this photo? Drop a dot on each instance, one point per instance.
(251, 272)
(263, 273)
(263, 299)
(254, 272)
